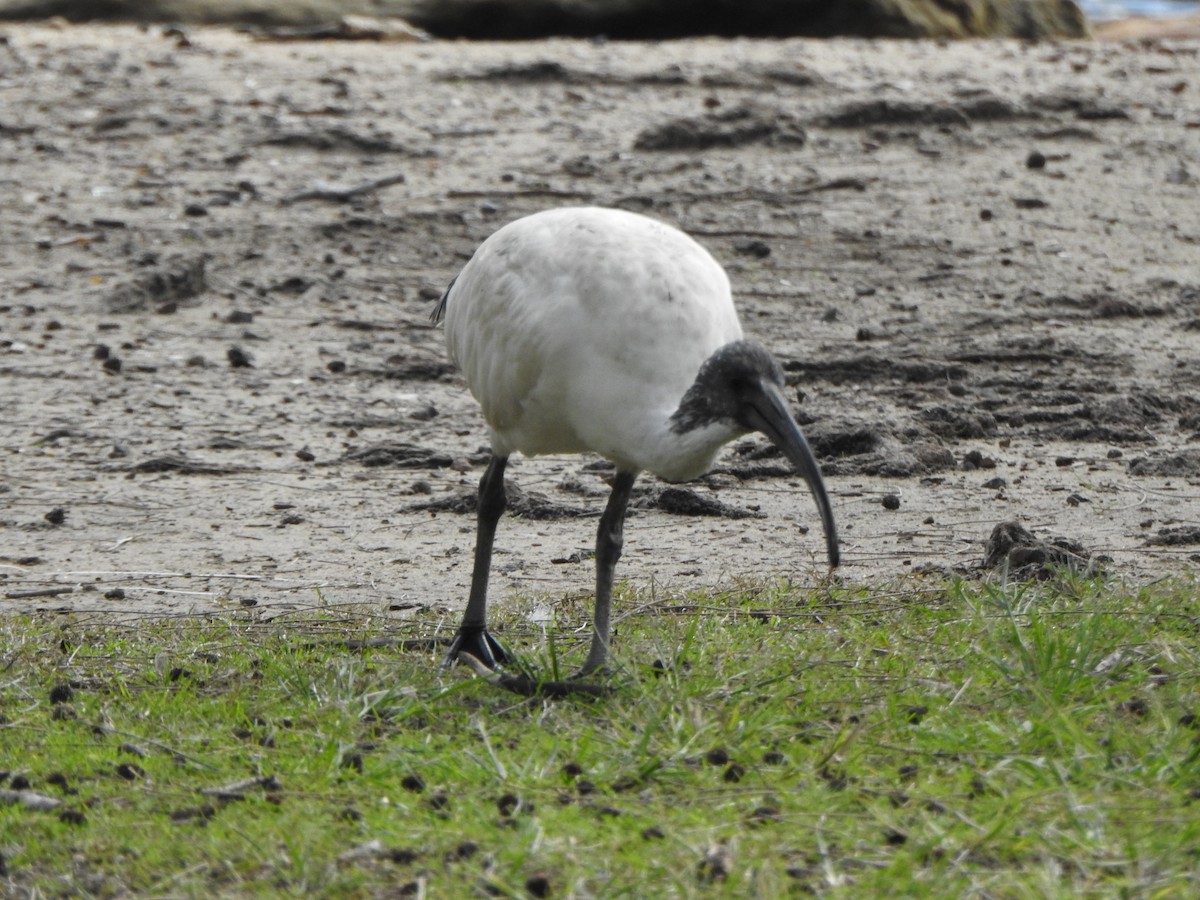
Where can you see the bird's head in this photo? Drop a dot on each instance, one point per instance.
(726, 386)
(741, 385)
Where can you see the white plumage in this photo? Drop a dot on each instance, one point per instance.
(587, 329)
(581, 329)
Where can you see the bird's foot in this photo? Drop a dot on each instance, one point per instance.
(478, 643)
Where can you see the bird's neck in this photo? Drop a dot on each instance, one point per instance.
(684, 455)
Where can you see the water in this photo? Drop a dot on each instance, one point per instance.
(1107, 10)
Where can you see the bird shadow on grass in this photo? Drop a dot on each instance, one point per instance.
(527, 682)
(542, 678)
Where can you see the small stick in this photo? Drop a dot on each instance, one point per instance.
(341, 195)
(39, 592)
(838, 184)
(237, 790)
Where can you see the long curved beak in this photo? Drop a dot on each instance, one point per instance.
(767, 412)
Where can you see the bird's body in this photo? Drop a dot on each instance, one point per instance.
(585, 329)
(581, 329)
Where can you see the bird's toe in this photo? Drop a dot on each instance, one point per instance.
(480, 644)
(601, 672)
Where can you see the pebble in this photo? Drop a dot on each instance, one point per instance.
(752, 247)
(239, 358)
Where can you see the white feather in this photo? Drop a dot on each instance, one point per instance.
(582, 328)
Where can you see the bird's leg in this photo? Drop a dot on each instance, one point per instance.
(609, 539)
(472, 634)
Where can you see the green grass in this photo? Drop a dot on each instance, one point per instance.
(930, 739)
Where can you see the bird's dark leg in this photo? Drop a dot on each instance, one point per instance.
(472, 634)
(609, 540)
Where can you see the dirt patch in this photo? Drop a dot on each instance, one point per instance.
(978, 269)
(735, 127)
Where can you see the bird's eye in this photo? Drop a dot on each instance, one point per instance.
(740, 385)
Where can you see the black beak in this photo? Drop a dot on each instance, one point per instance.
(767, 412)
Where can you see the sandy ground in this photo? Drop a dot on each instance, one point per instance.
(981, 269)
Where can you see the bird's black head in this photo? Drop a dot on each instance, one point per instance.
(724, 386)
(742, 385)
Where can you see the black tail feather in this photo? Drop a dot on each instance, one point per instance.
(439, 311)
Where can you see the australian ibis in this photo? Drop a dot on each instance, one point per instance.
(587, 329)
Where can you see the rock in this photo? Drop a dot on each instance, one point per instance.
(657, 19)
(1013, 549)
(623, 19)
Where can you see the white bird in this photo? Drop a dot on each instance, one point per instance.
(586, 329)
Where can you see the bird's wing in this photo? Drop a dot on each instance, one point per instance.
(572, 326)
(496, 334)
